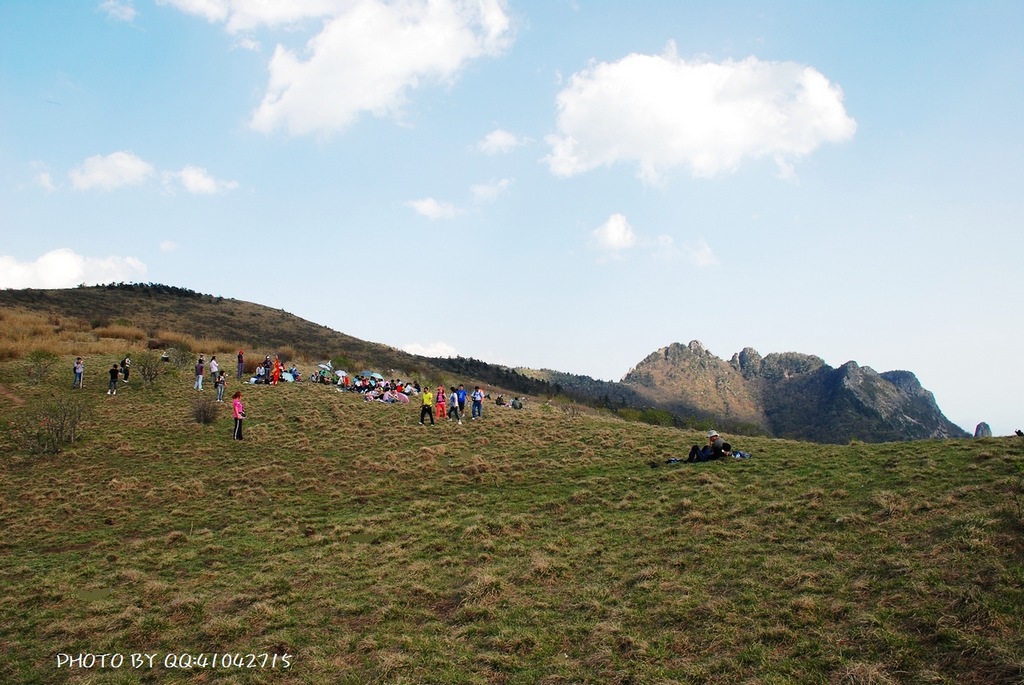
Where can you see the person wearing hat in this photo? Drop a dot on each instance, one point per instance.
(715, 449)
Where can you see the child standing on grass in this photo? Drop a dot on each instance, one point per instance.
(126, 366)
(199, 373)
(114, 374)
(219, 385)
(79, 370)
(442, 402)
(239, 412)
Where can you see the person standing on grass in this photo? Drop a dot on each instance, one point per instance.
(241, 364)
(442, 402)
(114, 374)
(478, 403)
(461, 394)
(239, 413)
(219, 385)
(428, 406)
(79, 371)
(453, 406)
(126, 365)
(199, 373)
(214, 368)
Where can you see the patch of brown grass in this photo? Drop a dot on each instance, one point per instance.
(121, 332)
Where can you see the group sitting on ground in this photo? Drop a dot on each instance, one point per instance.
(516, 403)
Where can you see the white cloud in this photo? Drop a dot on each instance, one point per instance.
(113, 171)
(486, 192)
(432, 209)
(45, 181)
(699, 254)
(614, 235)
(168, 246)
(122, 10)
(244, 15)
(499, 141)
(248, 43)
(370, 55)
(42, 177)
(435, 349)
(661, 112)
(63, 268)
(197, 181)
(211, 10)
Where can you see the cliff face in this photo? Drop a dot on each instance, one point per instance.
(687, 379)
(791, 395)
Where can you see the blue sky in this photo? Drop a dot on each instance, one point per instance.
(561, 184)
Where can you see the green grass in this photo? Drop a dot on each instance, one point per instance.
(529, 547)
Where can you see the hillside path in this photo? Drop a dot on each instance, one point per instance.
(17, 401)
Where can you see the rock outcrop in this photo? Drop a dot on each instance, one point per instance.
(791, 395)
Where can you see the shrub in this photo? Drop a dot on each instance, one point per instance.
(181, 358)
(205, 410)
(40, 362)
(50, 426)
(148, 364)
(286, 354)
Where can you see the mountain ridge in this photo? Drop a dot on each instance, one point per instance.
(792, 394)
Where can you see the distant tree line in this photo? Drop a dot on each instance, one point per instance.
(154, 289)
(501, 376)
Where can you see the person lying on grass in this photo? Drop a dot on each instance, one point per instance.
(717, 448)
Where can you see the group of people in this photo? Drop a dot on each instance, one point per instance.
(216, 375)
(373, 389)
(116, 372)
(451, 406)
(273, 372)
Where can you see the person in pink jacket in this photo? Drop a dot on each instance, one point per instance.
(239, 412)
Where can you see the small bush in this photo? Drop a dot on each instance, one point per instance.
(250, 364)
(49, 427)
(205, 410)
(148, 364)
(40, 362)
(181, 358)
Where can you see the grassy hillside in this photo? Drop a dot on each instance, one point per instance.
(533, 546)
(115, 318)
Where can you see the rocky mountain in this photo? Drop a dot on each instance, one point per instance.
(791, 395)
